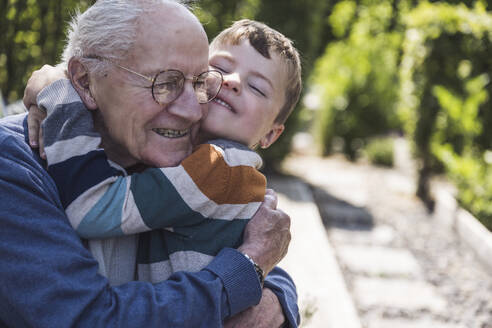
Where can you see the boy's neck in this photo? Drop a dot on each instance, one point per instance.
(204, 137)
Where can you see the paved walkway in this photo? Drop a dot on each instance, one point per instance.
(323, 297)
(354, 262)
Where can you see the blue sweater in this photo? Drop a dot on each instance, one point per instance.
(49, 279)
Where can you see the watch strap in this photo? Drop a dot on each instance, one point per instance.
(259, 271)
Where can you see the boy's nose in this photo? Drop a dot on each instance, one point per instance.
(233, 82)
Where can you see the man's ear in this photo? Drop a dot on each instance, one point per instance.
(272, 135)
(79, 76)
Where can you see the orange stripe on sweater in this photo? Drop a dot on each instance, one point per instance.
(220, 182)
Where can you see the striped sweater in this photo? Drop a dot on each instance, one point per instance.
(184, 215)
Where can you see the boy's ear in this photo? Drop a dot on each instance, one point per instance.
(79, 76)
(272, 135)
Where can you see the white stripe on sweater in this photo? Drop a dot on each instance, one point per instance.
(132, 221)
(64, 149)
(78, 209)
(190, 261)
(240, 157)
(65, 94)
(200, 203)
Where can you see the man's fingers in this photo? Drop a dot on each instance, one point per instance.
(33, 126)
(285, 216)
(270, 199)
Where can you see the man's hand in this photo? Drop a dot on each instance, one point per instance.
(38, 80)
(267, 235)
(267, 314)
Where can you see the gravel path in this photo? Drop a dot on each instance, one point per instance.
(403, 266)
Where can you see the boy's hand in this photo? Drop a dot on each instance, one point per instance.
(34, 119)
(38, 80)
(268, 313)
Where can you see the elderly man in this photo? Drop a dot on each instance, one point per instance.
(49, 279)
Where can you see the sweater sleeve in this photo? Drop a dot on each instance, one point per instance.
(284, 288)
(215, 181)
(51, 280)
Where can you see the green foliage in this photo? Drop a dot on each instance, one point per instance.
(379, 151)
(472, 175)
(441, 43)
(218, 15)
(457, 125)
(32, 34)
(445, 98)
(356, 78)
(341, 18)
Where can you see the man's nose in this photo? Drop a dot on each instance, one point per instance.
(186, 105)
(233, 82)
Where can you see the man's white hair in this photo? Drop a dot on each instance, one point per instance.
(107, 29)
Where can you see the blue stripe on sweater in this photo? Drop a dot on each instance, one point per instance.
(78, 174)
(208, 237)
(159, 203)
(109, 224)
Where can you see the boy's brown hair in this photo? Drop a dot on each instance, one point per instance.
(265, 39)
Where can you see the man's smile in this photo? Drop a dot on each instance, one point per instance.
(170, 133)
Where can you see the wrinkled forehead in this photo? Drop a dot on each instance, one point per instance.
(170, 37)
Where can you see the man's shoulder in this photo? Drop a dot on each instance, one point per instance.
(21, 166)
(12, 131)
(14, 145)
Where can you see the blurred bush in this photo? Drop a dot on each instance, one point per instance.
(32, 35)
(444, 89)
(356, 78)
(379, 151)
(453, 142)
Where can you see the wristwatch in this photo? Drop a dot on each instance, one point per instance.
(259, 271)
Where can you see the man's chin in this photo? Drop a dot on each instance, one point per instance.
(173, 159)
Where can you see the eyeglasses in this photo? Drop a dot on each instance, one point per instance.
(168, 85)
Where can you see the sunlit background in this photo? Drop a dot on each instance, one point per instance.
(374, 71)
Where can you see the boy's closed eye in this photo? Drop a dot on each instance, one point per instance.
(260, 85)
(222, 67)
(257, 90)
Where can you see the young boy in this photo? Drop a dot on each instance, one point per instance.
(192, 211)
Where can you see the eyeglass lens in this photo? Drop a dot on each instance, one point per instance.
(169, 84)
